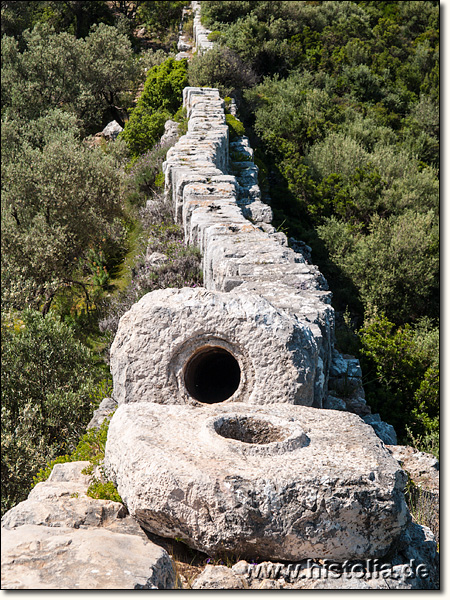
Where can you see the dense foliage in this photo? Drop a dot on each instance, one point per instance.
(91, 447)
(161, 16)
(50, 385)
(342, 99)
(89, 77)
(403, 363)
(159, 101)
(60, 199)
(71, 227)
(74, 17)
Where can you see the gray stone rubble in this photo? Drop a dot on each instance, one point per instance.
(384, 431)
(112, 130)
(104, 411)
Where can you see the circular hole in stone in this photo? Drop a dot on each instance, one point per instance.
(212, 375)
(250, 430)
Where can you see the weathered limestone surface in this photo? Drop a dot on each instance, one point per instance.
(275, 481)
(170, 131)
(213, 206)
(423, 468)
(384, 431)
(157, 337)
(104, 411)
(35, 557)
(202, 44)
(112, 130)
(297, 485)
(218, 577)
(61, 501)
(413, 565)
(59, 538)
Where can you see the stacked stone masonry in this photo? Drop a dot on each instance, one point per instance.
(227, 464)
(343, 380)
(227, 359)
(201, 33)
(222, 213)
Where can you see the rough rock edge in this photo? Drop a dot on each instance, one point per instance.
(59, 509)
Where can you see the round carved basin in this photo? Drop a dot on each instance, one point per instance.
(255, 433)
(250, 430)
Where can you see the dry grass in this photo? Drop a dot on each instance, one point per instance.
(424, 507)
(187, 563)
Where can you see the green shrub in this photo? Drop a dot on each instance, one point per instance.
(163, 88)
(214, 36)
(91, 447)
(161, 98)
(401, 368)
(161, 15)
(384, 265)
(151, 58)
(224, 11)
(49, 382)
(144, 129)
(103, 490)
(235, 126)
(220, 68)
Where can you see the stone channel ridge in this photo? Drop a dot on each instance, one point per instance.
(218, 202)
(200, 32)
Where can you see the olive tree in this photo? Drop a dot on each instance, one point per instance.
(58, 201)
(89, 77)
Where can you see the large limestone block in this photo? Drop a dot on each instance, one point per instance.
(59, 538)
(61, 501)
(190, 346)
(36, 557)
(277, 482)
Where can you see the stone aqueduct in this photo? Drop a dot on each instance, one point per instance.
(221, 437)
(230, 432)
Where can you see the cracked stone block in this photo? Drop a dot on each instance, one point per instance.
(271, 482)
(37, 557)
(189, 346)
(60, 538)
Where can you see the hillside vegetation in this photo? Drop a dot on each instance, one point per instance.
(76, 222)
(341, 101)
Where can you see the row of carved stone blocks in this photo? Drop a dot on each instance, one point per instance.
(219, 437)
